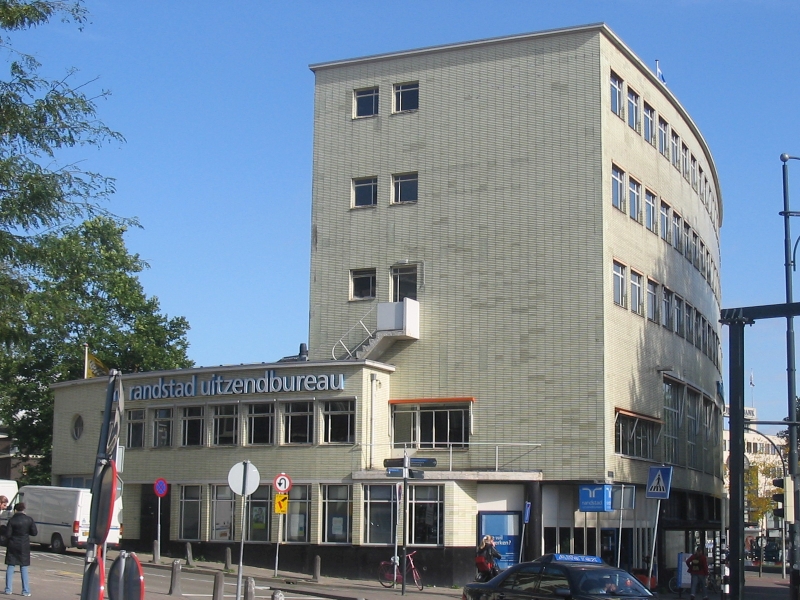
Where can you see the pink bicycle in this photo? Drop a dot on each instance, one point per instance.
(386, 571)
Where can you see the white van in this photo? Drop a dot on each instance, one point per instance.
(61, 515)
(8, 488)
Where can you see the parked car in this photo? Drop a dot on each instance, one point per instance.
(575, 576)
(773, 552)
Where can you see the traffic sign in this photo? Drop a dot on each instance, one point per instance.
(282, 483)
(236, 478)
(281, 504)
(160, 487)
(659, 481)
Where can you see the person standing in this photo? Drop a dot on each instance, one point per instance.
(485, 559)
(698, 569)
(18, 552)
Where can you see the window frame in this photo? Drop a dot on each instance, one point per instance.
(225, 425)
(619, 284)
(159, 421)
(368, 274)
(419, 515)
(404, 184)
(260, 503)
(364, 183)
(190, 421)
(634, 110)
(223, 503)
(288, 417)
(663, 138)
(649, 124)
(636, 297)
(254, 418)
(650, 214)
(665, 221)
(420, 425)
(635, 199)
(401, 277)
(366, 93)
(333, 419)
(405, 97)
(617, 188)
(137, 425)
(379, 526)
(299, 506)
(652, 301)
(336, 508)
(617, 95)
(191, 502)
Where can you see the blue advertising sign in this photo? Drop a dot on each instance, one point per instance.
(595, 498)
(504, 527)
(526, 518)
(659, 481)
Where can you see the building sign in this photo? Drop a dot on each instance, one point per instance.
(595, 498)
(218, 385)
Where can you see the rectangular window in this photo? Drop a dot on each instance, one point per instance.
(679, 317)
(619, 284)
(649, 124)
(226, 425)
(685, 161)
(431, 425)
(426, 514)
(692, 428)
(635, 436)
(671, 421)
(636, 293)
(687, 241)
(404, 283)
(677, 232)
(650, 215)
(298, 516)
(663, 137)
(674, 149)
(699, 328)
(366, 102)
(259, 508)
(664, 229)
(616, 95)
(689, 323)
(695, 250)
(363, 283)
(337, 513)
(380, 509)
(136, 428)
(703, 183)
(406, 96)
(222, 509)
(405, 188)
(339, 422)
(652, 301)
(635, 199)
(260, 423)
(298, 423)
(162, 428)
(365, 191)
(193, 426)
(702, 255)
(693, 172)
(191, 496)
(666, 310)
(617, 187)
(634, 109)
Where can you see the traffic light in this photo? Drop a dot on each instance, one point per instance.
(786, 499)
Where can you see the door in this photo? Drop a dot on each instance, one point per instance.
(149, 515)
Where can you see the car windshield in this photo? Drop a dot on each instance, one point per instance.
(612, 582)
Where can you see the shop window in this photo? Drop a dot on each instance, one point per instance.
(259, 508)
(339, 422)
(298, 515)
(223, 512)
(260, 423)
(380, 507)
(191, 497)
(426, 514)
(337, 511)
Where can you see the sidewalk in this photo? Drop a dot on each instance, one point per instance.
(769, 586)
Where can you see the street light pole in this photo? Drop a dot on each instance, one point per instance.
(790, 377)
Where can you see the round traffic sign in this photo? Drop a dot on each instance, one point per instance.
(282, 483)
(236, 478)
(160, 487)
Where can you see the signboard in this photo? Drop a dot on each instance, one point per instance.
(504, 527)
(237, 481)
(160, 487)
(281, 504)
(623, 497)
(526, 515)
(282, 483)
(658, 483)
(595, 498)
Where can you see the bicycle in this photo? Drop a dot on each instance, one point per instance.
(386, 571)
(713, 584)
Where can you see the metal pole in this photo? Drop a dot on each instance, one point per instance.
(246, 464)
(653, 549)
(794, 581)
(619, 537)
(158, 529)
(405, 522)
(736, 457)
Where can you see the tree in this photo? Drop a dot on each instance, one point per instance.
(758, 488)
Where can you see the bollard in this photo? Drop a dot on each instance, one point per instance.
(228, 566)
(726, 581)
(317, 567)
(277, 595)
(189, 559)
(250, 589)
(219, 586)
(175, 581)
(156, 552)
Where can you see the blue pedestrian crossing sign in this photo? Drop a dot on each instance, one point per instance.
(658, 483)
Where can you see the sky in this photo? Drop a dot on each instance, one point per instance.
(215, 101)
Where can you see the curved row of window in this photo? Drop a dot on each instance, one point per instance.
(640, 116)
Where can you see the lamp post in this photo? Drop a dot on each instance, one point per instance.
(790, 376)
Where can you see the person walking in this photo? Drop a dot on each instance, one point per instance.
(698, 569)
(18, 552)
(485, 559)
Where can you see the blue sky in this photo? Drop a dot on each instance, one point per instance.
(215, 100)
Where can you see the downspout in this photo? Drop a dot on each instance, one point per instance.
(373, 383)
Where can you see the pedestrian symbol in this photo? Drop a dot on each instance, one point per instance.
(658, 483)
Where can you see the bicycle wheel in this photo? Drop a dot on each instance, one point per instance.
(386, 574)
(417, 578)
(714, 585)
(673, 585)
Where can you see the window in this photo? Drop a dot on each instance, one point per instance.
(366, 102)
(191, 497)
(431, 425)
(298, 423)
(635, 436)
(337, 511)
(650, 216)
(635, 199)
(695, 253)
(616, 95)
(634, 107)
(222, 507)
(162, 428)
(675, 142)
(652, 301)
(362, 284)
(426, 514)
(663, 137)
(649, 124)
(404, 283)
(693, 172)
(679, 316)
(689, 329)
(672, 392)
(703, 183)
(702, 255)
(260, 423)
(692, 428)
(405, 188)
(193, 426)
(406, 96)
(259, 507)
(677, 232)
(685, 161)
(665, 221)
(636, 293)
(339, 422)
(699, 328)
(136, 428)
(619, 284)
(687, 241)
(298, 514)
(365, 191)
(617, 187)
(77, 427)
(380, 507)
(666, 311)
(226, 425)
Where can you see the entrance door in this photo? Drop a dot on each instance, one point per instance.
(148, 516)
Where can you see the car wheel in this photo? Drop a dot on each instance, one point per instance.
(57, 544)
